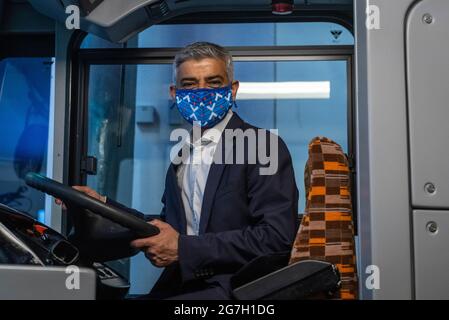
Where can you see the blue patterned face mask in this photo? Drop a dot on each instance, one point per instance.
(205, 107)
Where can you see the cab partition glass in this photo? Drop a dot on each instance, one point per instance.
(25, 85)
(130, 135)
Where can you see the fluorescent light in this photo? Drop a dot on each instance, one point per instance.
(284, 90)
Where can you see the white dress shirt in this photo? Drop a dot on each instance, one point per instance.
(192, 174)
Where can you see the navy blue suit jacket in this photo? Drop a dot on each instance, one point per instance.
(244, 215)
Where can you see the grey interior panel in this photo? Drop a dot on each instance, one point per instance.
(45, 283)
(382, 171)
(118, 20)
(428, 102)
(431, 237)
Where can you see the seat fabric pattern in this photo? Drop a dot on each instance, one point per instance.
(326, 232)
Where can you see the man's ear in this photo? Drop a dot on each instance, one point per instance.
(235, 88)
(173, 91)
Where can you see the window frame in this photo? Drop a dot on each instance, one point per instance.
(27, 45)
(138, 56)
(339, 14)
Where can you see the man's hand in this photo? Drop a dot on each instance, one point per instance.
(161, 249)
(90, 192)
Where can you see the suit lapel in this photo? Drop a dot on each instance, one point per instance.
(179, 207)
(216, 171)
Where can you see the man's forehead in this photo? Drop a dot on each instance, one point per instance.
(205, 64)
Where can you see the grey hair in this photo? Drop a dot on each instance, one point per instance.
(202, 50)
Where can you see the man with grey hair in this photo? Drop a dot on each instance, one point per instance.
(217, 216)
(200, 50)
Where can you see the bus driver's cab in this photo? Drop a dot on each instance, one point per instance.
(354, 88)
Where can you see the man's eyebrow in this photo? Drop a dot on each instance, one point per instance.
(214, 77)
(189, 79)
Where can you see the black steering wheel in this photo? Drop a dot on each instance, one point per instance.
(71, 196)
